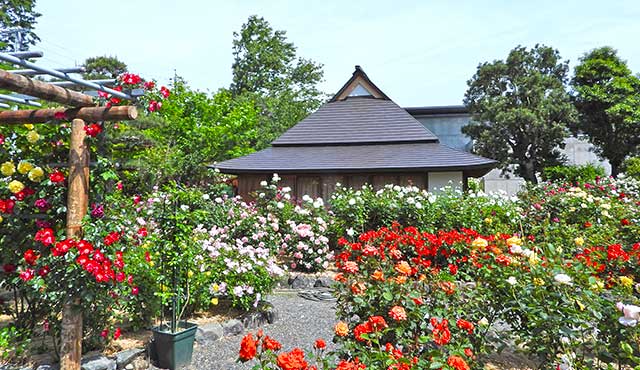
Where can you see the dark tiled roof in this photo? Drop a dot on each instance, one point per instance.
(357, 158)
(357, 120)
(435, 110)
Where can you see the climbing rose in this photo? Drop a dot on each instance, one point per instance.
(248, 348)
(93, 129)
(165, 92)
(293, 360)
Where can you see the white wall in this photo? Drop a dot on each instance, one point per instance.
(438, 180)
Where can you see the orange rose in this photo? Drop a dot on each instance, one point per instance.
(358, 288)
(248, 348)
(341, 329)
(403, 268)
(378, 275)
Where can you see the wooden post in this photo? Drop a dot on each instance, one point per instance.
(77, 203)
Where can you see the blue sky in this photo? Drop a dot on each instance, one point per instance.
(419, 52)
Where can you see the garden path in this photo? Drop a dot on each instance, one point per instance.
(300, 322)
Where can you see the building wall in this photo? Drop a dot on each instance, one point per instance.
(323, 185)
(448, 128)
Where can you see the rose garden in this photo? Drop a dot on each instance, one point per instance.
(135, 217)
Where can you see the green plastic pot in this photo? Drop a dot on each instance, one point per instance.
(174, 350)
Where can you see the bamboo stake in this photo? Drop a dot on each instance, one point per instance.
(77, 203)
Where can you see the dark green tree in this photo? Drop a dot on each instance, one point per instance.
(521, 110)
(607, 96)
(267, 70)
(17, 21)
(103, 67)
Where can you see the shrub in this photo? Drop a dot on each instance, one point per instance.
(573, 174)
(631, 167)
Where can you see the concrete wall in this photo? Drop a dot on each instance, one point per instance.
(448, 127)
(439, 180)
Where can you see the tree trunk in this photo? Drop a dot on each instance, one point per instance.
(615, 167)
(77, 203)
(529, 172)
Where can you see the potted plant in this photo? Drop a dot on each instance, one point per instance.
(173, 338)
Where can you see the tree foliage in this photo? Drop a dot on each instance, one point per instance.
(194, 129)
(103, 67)
(18, 14)
(607, 96)
(520, 110)
(267, 70)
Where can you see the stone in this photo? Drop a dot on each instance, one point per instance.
(124, 358)
(209, 333)
(47, 367)
(271, 315)
(232, 327)
(98, 363)
(323, 282)
(129, 367)
(301, 281)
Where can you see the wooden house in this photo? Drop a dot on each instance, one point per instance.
(359, 136)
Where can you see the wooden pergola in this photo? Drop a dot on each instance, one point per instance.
(79, 109)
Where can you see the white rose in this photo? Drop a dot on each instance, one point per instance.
(563, 279)
(352, 201)
(263, 183)
(350, 231)
(512, 280)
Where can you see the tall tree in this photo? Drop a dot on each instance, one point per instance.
(607, 96)
(103, 67)
(267, 70)
(17, 21)
(521, 110)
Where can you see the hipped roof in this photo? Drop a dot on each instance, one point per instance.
(359, 130)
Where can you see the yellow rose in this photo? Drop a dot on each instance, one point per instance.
(189, 274)
(152, 263)
(36, 174)
(533, 259)
(208, 273)
(214, 301)
(579, 241)
(1, 219)
(24, 167)
(488, 220)
(626, 281)
(28, 126)
(538, 282)
(479, 243)
(514, 240)
(8, 168)
(598, 285)
(33, 137)
(16, 186)
(215, 288)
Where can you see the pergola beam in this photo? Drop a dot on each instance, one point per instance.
(88, 114)
(43, 90)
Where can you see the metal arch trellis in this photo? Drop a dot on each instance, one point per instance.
(65, 75)
(26, 90)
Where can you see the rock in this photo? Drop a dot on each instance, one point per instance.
(48, 367)
(98, 363)
(140, 363)
(124, 358)
(323, 282)
(232, 327)
(272, 316)
(300, 282)
(209, 333)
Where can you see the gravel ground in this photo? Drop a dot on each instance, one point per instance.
(300, 322)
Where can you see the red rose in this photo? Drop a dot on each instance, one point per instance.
(293, 360)
(56, 177)
(165, 92)
(320, 344)
(441, 333)
(94, 129)
(45, 236)
(270, 344)
(457, 363)
(43, 271)
(135, 290)
(117, 333)
(27, 274)
(625, 222)
(465, 325)
(248, 348)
